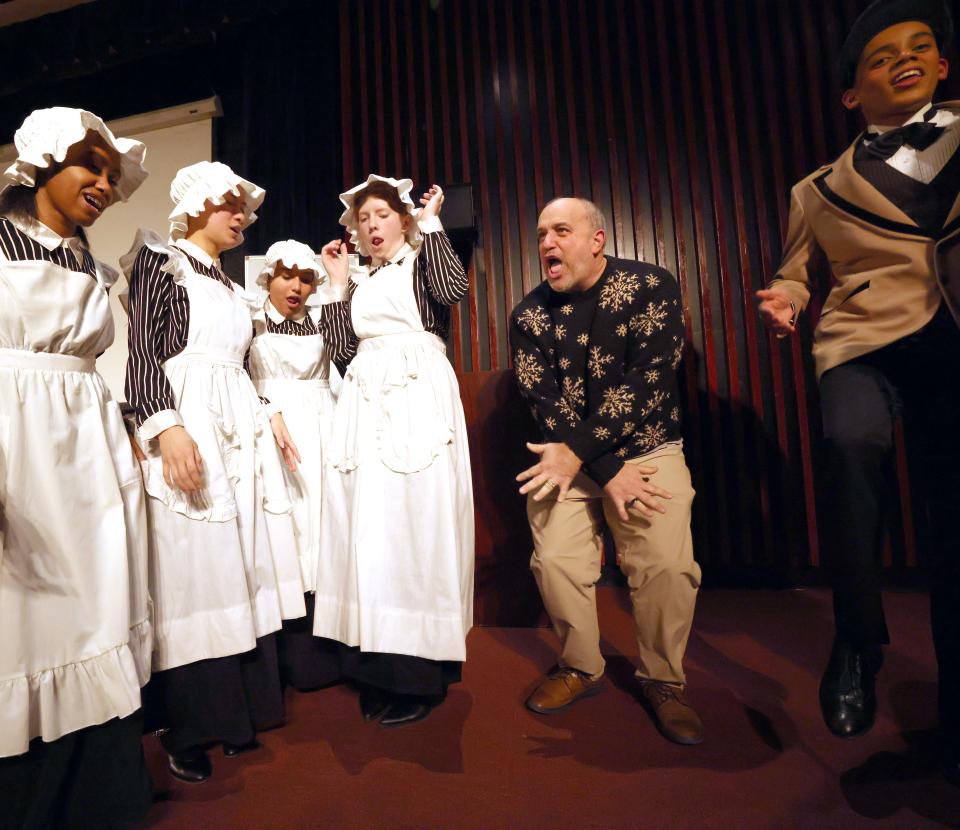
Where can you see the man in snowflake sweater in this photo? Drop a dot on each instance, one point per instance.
(595, 349)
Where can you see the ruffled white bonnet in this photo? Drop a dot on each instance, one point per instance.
(193, 186)
(46, 135)
(291, 254)
(403, 188)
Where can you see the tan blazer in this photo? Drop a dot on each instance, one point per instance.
(889, 275)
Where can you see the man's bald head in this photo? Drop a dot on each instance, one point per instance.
(571, 233)
(591, 212)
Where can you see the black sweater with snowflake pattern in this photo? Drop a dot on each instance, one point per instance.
(599, 367)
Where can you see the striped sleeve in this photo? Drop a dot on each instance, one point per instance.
(147, 387)
(337, 329)
(446, 279)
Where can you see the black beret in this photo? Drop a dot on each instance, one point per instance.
(881, 15)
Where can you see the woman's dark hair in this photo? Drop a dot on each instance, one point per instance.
(380, 190)
(20, 202)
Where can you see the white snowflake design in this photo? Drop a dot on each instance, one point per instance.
(534, 320)
(568, 412)
(566, 309)
(559, 332)
(654, 403)
(618, 291)
(628, 428)
(621, 330)
(651, 436)
(622, 452)
(617, 401)
(574, 391)
(550, 422)
(528, 369)
(652, 280)
(651, 375)
(564, 362)
(583, 339)
(675, 414)
(574, 395)
(677, 357)
(597, 361)
(602, 433)
(651, 320)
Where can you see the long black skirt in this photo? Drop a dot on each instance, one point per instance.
(92, 778)
(307, 662)
(400, 674)
(222, 700)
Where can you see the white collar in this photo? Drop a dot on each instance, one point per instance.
(402, 251)
(197, 253)
(278, 318)
(942, 118)
(46, 237)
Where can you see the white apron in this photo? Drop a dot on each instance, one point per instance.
(396, 572)
(223, 562)
(75, 633)
(293, 372)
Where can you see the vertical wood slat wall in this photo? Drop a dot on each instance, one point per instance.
(686, 121)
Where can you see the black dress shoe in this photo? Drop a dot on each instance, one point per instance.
(373, 703)
(403, 712)
(847, 697)
(192, 766)
(230, 750)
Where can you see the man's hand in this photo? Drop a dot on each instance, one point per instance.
(631, 487)
(558, 466)
(777, 311)
(289, 450)
(182, 465)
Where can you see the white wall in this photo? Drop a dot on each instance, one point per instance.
(168, 149)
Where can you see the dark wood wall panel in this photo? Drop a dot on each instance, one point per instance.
(686, 121)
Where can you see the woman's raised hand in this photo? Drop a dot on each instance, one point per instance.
(335, 262)
(431, 201)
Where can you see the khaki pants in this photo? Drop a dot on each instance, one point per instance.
(656, 555)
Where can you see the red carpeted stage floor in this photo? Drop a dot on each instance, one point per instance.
(484, 761)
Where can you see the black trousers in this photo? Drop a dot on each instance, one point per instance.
(222, 700)
(92, 778)
(919, 377)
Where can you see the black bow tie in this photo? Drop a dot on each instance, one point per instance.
(919, 135)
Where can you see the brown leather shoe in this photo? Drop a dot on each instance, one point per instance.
(558, 690)
(674, 717)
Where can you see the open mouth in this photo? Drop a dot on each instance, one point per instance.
(95, 202)
(553, 266)
(907, 78)
(376, 241)
(293, 301)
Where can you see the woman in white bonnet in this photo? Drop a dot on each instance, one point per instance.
(223, 562)
(395, 582)
(290, 366)
(75, 635)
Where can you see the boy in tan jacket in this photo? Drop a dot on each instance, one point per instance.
(887, 218)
